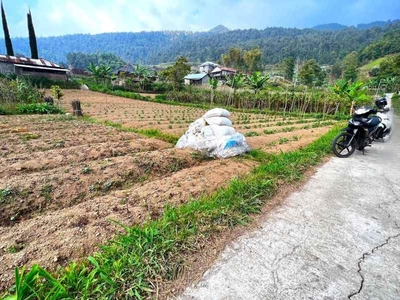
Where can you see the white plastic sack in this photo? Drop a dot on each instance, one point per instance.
(231, 146)
(219, 139)
(197, 125)
(217, 112)
(211, 131)
(220, 121)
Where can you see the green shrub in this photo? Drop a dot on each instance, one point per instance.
(38, 108)
(46, 83)
(161, 97)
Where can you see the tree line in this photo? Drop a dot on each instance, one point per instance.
(326, 47)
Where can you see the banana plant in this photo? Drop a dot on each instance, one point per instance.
(236, 82)
(213, 83)
(354, 92)
(95, 71)
(143, 74)
(257, 81)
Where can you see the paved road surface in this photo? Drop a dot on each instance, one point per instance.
(336, 238)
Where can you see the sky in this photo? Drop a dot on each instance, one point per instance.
(60, 17)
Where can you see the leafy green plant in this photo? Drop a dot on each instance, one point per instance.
(283, 140)
(270, 131)
(38, 108)
(355, 92)
(5, 194)
(57, 93)
(256, 81)
(87, 170)
(251, 133)
(46, 192)
(30, 136)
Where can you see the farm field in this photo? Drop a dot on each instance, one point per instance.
(266, 132)
(62, 180)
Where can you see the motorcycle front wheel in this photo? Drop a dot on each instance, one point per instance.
(341, 146)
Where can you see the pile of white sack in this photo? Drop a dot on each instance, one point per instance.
(214, 136)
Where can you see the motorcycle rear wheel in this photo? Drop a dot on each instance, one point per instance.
(341, 146)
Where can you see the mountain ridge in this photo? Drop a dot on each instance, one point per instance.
(361, 26)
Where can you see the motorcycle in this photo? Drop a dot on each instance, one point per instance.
(362, 129)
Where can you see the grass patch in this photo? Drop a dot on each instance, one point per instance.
(396, 104)
(152, 133)
(136, 261)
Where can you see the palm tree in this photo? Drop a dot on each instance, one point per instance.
(213, 83)
(236, 82)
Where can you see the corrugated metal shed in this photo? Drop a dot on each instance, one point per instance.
(28, 61)
(41, 68)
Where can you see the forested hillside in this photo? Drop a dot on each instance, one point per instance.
(326, 47)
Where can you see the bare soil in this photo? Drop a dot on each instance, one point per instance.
(174, 119)
(60, 189)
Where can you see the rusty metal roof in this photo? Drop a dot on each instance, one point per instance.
(28, 61)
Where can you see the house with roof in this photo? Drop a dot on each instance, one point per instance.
(207, 67)
(197, 79)
(24, 66)
(129, 71)
(223, 73)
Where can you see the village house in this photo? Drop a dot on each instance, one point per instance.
(207, 67)
(24, 66)
(129, 71)
(197, 79)
(223, 73)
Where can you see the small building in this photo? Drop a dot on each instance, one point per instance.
(197, 79)
(24, 66)
(223, 73)
(127, 70)
(207, 67)
(79, 72)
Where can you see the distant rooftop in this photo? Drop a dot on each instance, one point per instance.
(195, 76)
(208, 63)
(219, 69)
(127, 69)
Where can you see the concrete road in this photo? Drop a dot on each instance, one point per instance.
(336, 238)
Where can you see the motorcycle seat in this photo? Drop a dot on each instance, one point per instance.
(372, 121)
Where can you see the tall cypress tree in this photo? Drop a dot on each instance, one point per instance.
(7, 38)
(32, 37)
